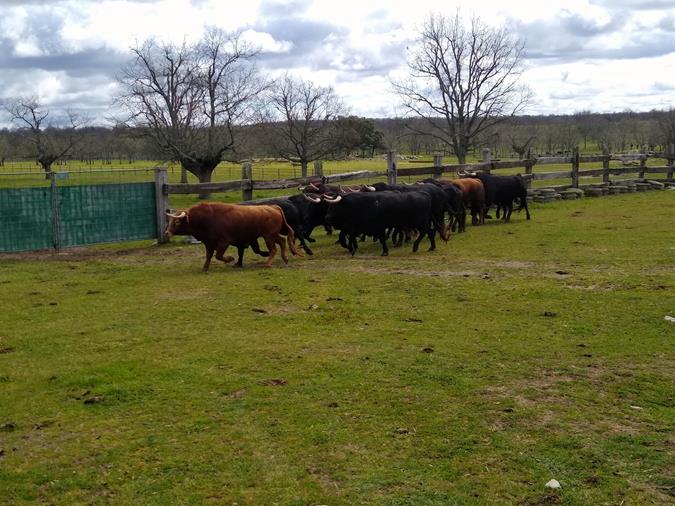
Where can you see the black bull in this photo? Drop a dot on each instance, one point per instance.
(502, 191)
(442, 200)
(301, 215)
(373, 213)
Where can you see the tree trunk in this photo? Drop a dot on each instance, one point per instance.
(183, 175)
(47, 167)
(303, 167)
(204, 176)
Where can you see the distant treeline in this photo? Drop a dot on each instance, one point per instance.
(512, 138)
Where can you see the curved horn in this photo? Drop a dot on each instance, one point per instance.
(314, 200)
(182, 214)
(333, 200)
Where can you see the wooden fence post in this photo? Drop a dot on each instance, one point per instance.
(671, 153)
(318, 168)
(605, 167)
(528, 167)
(487, 155)
(643, 165)
(247, 185)
(438, 166)
(391, 167)
(161, 202)
(487, 158)
(575, 168)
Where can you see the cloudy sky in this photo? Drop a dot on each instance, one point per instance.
(598, 55)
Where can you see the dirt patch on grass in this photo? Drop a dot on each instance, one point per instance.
(555, 399)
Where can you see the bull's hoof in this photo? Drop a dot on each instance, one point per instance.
(308, 251)
(431, 248)
(228, 259)
(237, 266)
(385, 254)
(310, 239)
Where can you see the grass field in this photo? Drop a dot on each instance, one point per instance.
(514, 354)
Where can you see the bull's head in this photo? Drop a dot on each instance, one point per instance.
(177, 224)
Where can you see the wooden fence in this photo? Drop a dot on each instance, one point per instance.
(634, 164)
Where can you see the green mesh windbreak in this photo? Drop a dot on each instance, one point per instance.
(106, 213)
(85, 214)
(26, 219)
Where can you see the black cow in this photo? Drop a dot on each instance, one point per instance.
(502, 191)
(293, 216)
(373, 213)
(442, 200)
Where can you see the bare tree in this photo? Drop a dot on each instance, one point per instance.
(189, 99)
(51, 139)
(303, 119)
(463, 81)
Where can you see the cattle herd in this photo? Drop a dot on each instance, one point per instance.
(385, 212)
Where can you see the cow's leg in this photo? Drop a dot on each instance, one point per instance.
(272, 247)
(256, 249)
(353, 245)
(432, 238)
(220, 251)
(300, 234)
(209, 255)
(420, 236)
(342, 240)
(524, 204)
(282, 244)
(508, 208)
(240, 256)
(383, 241)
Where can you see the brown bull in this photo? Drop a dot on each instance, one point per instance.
(219, 225)
(473, 195)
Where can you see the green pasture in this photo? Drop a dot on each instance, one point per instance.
(514, 354)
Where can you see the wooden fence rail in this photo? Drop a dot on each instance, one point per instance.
(247, 184)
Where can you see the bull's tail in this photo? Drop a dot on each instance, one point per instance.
(290, 235)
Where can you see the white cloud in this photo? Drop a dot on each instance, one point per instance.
(606, 48)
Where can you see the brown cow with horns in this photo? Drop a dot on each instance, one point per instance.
(219, 225)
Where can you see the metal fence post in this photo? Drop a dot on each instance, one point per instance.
(56, 221)
(391, 167)
(161, 202)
